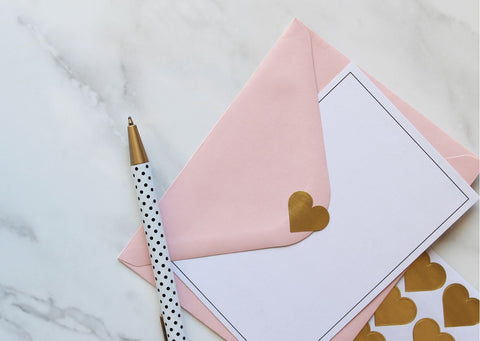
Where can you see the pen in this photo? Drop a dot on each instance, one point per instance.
(171, 318)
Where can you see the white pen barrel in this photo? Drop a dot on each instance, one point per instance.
(157, 245)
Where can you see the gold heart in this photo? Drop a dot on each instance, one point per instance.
(395, 310)
(423, 275)
(458, 308)
(304, 216)
(367, 335)
(428, 330)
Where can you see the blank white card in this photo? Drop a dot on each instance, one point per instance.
(392, 196)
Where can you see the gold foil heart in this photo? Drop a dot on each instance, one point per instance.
(367, 335)
(304, 216)
(428, 330)
(458, 308)
(395, 310)
(423, 275)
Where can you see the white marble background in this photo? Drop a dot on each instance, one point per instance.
(72, 71)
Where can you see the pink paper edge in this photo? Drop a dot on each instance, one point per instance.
(466, 165)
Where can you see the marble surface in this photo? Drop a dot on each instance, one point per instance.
(71, 73)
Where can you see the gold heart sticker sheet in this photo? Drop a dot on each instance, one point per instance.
(432, 302)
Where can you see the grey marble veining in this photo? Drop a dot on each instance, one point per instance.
(69, 318)
(72, 71)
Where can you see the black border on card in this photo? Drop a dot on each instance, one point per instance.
(466, 200)
(436, 164)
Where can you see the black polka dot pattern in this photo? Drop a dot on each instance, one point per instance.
(162, 269)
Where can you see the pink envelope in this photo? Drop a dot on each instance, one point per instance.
(232, 194)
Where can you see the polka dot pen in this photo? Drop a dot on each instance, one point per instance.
(152, 223)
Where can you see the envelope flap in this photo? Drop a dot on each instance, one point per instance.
(233, 194)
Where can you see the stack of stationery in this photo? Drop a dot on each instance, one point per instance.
(300, 212)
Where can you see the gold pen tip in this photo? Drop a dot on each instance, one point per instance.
(130, 121)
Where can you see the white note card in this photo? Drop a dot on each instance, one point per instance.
(392, 196)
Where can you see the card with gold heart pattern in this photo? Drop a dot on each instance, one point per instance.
(431, 302)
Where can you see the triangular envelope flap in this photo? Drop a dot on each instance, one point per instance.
(233, 194)
(235, 168)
